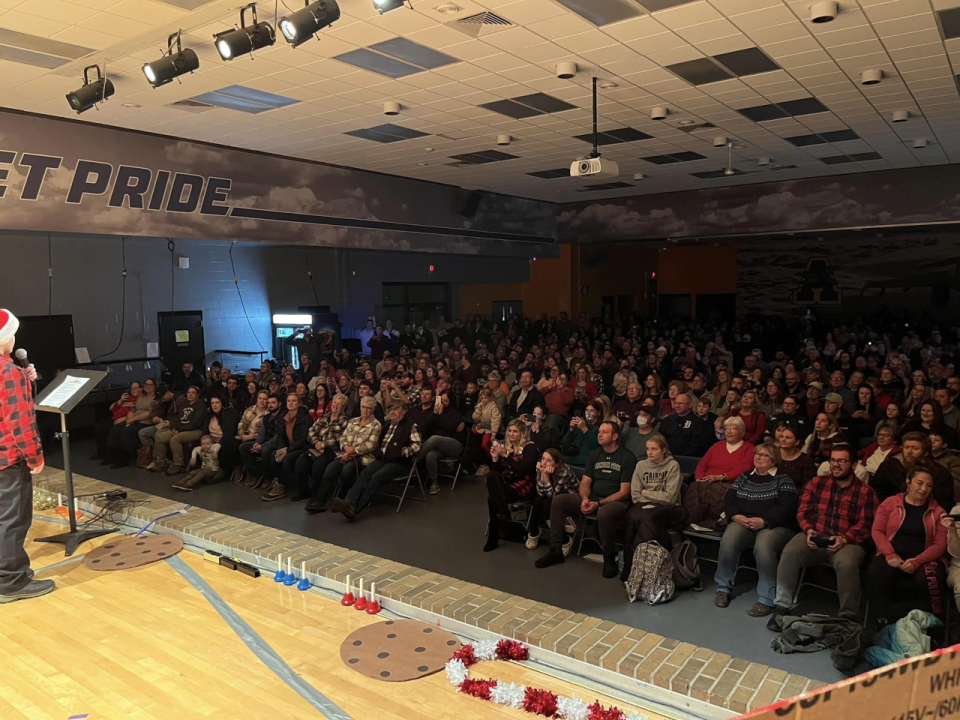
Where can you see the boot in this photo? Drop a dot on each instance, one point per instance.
(188, 485)
(238, 474)
(276, 492)
(33, 589)
(493, 535)
(252, 481)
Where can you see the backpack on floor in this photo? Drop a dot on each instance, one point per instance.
(686, 566)
(651, 576)
(144, 456)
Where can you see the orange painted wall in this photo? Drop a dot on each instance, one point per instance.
(693, 269)
(611, 270)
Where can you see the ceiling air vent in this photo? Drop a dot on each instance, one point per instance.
(481, 24)
(191, 106)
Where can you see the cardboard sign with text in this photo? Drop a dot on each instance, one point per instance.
(926, 687)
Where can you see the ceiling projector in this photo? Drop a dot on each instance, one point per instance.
(594, 167)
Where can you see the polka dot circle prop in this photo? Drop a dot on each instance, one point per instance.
(132, 552)
(398, 650)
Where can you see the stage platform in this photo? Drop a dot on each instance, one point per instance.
(662, 676)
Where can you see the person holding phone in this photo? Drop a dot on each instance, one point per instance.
(836, 516)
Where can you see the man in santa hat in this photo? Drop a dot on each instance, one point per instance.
(20, 457)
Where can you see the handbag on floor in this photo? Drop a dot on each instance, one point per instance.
(686, 566)
(651, 576)
(144, 456)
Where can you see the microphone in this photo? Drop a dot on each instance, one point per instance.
(21, 356)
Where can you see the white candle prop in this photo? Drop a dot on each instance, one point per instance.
(279, 562)
(360, 592)
(347, 588)
(289, 566)
(373, 591)
(303, 569)
(59, 499)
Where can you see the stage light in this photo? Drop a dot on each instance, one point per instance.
(244, 39)
(300, 26)
(387, 5)
(432, 268)
(92, 92)
(170, 66)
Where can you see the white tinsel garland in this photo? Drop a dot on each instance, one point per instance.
(637, 716)
(572, 708)
(485, 650)
(508, 694)
(456, 672)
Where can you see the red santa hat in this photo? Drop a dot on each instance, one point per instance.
(8, 326)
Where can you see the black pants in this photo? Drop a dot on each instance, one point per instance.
(123, 440)
(643, 524)
(539, 513)
(310, 469)
(893, 593)
(229, 455)
(101, 434)
(499, 494)
(286, 470)
(16, 514)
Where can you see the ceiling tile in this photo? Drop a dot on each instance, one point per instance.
(699, 72)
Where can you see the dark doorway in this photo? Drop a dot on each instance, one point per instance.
(181, 339)
(717, 307)
(412, 303)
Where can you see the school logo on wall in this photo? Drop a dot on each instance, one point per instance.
(818, 286)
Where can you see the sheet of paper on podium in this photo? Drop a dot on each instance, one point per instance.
(66, 390)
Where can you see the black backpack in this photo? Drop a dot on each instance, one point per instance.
(686, 566)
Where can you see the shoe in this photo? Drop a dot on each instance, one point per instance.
(348, 509)
(493, 542)
(434, 488)
(275, 492)
(481, 471)
(551, 558)
(299, 497)
(313, 506)
(569, 526)
(336, 505)
(263, 483)
(174, 470)
(151, 467)
(186, 486)
(772, 623)
(251, 482)
(610, 568)
(567, 545)
(721, 599)
(532, 541)
(238, 475)
(33, 589)
(759, 610)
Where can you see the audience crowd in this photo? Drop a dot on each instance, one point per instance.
(809, 442)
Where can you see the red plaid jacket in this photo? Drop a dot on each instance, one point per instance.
(19, 439)
(830, 510)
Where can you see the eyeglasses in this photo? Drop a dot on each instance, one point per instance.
(839, 462)
(760, 454)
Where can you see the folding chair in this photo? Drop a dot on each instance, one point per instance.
(457, 465)
(414, 472)
(716, 536)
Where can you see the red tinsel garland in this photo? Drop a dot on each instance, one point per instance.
(512, 650)
(540, 702)
(598, 712)
(477, 688)
(465, 654)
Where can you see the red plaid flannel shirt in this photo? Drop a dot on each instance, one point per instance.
(19, 439)
(830, 510)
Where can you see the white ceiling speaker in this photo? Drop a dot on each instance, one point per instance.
(763, 162)
(900, 115)
(871, 77)
(659, 113)
(720, 141)
(919, 143)
(391, 107)
(566, 70)
(823, 12)
(503, 139)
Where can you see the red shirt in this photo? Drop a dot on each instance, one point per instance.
(831, 510)
(19, 438)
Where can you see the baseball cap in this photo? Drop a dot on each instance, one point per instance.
(816, 384)
(834, 398)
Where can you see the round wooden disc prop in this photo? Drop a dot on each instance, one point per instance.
(131, 552)
(398, 650)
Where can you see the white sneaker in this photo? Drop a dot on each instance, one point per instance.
(568, 546)
(532, 541)
(569, 526)
(481, 471)
(151, 466)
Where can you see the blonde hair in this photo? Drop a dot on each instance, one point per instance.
(524, 436)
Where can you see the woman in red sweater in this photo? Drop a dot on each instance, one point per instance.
(726, 461)
(754, 421)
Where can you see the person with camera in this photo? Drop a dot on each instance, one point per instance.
(906, 572)
(512, 477)
(836, 515)
(582, 438)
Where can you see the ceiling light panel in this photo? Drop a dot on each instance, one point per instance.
(602, 12)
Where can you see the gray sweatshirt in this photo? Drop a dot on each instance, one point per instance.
(661, 481)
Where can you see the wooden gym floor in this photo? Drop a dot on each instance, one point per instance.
(144, 643)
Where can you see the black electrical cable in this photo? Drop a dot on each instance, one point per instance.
(236, 281)
(313, 287)
(123, 301)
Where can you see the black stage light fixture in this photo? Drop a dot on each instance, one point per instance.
(170, 66)
(303, 24)
(92, 92)
(388, 5)
(246, 38)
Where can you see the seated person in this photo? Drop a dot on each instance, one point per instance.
(222, 424)
(789, 416)
(558, 396)
(835, 515)
(495, 385)
(705, 410)
(486, 424)
(120, 409)
(761, 508)
(524, 399)
(471, 395)
(249, 428)
(511, 478)
(582, 440)
(754, 421)
(685, 432)
(183, 430)
(323, 444)
(825, 434)
(604, 491)
(676, 387)
(655, 492)
(794, 463)
(891, 476)
(930, 419)
(554, 477)
(947, 458)
(280, 466)
(728, 460)
(953, 550)
(204, 465)
(907, 572)
(446, 438)
(122, 441)
(873, 455)
(254, 452)
(541, 432)
(626, 410)
(358, 443)
(266, 375)
(635, 440)
(399, 444)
